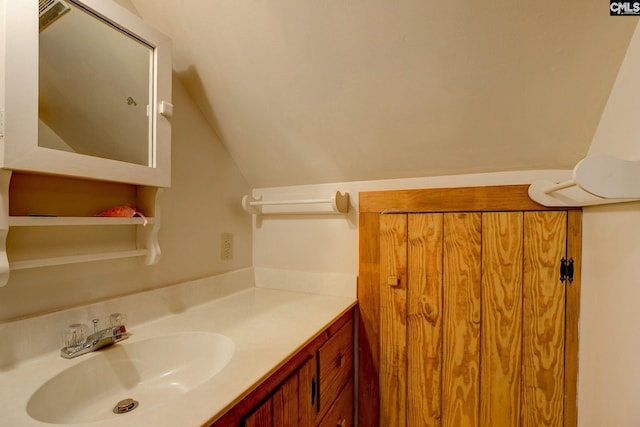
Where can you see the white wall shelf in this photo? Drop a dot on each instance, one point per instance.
(47, 221)
(48, 262)
(146, 232)
(597, 179)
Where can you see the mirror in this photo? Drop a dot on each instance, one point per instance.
(87, 92)
(95, 87)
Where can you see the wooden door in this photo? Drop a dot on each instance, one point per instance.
(472, 319)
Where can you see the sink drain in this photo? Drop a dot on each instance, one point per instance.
(126, 405)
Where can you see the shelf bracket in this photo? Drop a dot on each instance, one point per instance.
(5, 180)
(147, 236)
(598, 179)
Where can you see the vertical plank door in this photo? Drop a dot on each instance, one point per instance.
(424, 320)
(475, 327)
(545, 236)
(501, 336)
(461, 320)
(393, 320)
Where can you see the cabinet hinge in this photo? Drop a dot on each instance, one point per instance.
(566, 270)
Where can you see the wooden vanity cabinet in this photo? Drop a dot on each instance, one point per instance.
(335, 369)
(340, 414)
(313, 388)
(291, 404)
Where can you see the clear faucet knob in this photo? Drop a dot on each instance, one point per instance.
(75, 335)
(117, 320)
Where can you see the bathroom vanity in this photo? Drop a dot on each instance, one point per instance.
(215, 351)
(313, 388)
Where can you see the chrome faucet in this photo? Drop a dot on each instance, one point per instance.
(76, 344)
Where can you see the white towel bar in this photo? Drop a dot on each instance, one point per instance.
(337, 203)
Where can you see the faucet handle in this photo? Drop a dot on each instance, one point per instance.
(75, 335)
(117, 320)
(118, 328)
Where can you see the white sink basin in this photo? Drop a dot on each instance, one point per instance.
(151, 372)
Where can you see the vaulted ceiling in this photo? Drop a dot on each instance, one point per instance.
(313, 91)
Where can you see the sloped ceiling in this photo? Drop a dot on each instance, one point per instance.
(313, 91)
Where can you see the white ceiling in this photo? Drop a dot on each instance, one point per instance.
(313, 91)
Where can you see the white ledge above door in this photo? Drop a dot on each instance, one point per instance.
(597, 180)
(334, 204)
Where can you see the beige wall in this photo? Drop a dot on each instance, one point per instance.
(203, 202)
(2, 63)
(609, 379)
(609, 327)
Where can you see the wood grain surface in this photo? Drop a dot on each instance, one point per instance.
(501, 342)
(285, 403)
(424, 324)
(393, 320)
(543, 326)
(572, 316)
(488, 334)
(368, 320)
(262, 416)
(494, 198)
(461, 324)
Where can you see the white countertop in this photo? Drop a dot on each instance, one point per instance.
(266, 325)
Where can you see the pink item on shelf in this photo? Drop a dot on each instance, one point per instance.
(123, 211)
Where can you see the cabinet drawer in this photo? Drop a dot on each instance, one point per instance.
(336, 365)
(341, 412)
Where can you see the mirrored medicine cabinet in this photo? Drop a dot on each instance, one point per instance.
(87, 92)
(85, 95)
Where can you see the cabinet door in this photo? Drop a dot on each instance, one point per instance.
(472, 319)
(262, 416)
(308, 393)
(285, 403)
(291, 404)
